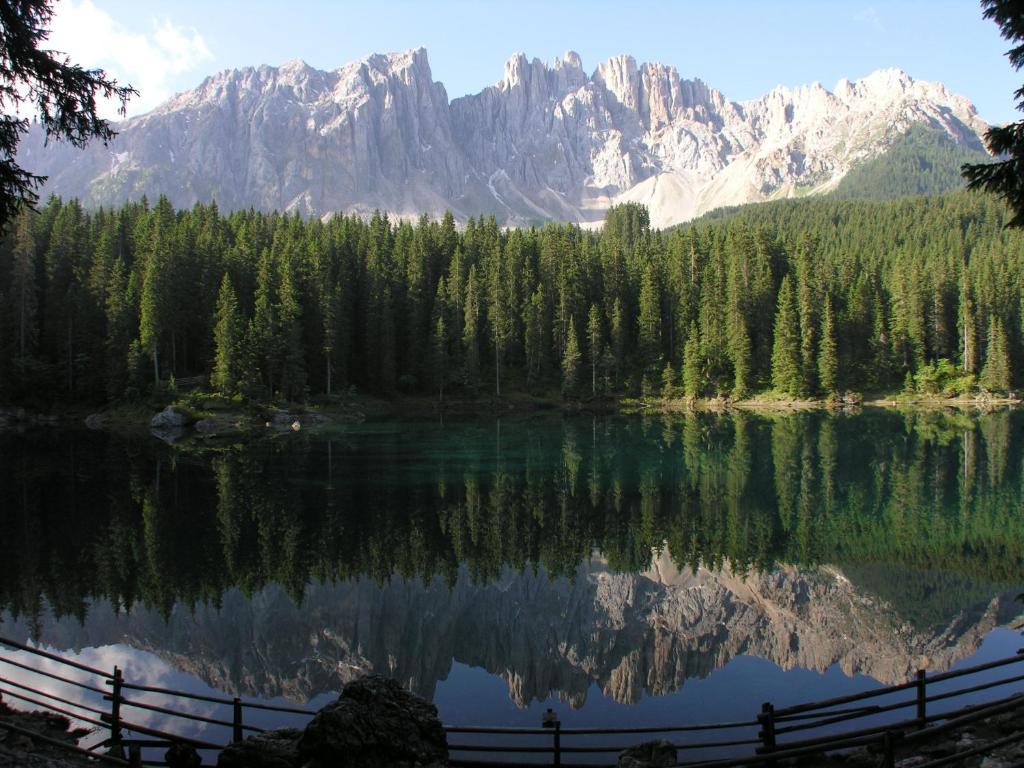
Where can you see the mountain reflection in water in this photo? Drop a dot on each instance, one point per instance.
(286, 566)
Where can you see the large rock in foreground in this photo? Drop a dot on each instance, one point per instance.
(375, 722)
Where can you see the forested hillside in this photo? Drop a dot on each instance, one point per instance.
(923, 161)
(803, 297)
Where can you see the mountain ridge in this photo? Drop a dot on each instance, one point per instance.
(545, 142)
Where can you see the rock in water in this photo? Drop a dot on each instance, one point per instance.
(168, 419)
(375, 722)
(650, 754)
(273, 749)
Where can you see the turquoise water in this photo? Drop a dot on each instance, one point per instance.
(622, 570)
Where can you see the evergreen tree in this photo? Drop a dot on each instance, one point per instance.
(693, 380)
(534, 344)
(649, 319)
(995, 376)
(740, 354)
(23, 284)
(571, 360)
(787, 372)
(228, 338)
(471, 332)
(828, 358)
(595, 345)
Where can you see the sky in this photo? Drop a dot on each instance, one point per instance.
(744, 49)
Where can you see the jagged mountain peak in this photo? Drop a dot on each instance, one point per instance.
(547, 141)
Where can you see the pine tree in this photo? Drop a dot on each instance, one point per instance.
(228, 340)
(471, 332)
(619, 339)
(649, 319)
(292, 349)
(995, 376)
(23, 287)
(668, 381)
(828, 358)
(740, 354)
(786, 369)
(571, 360)
(439, 341)
(595, 345)
(534, 346)
(693, 380)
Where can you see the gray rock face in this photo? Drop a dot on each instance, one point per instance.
(274, 749)
(375, 722)
(545, 142)
(168, 419)
(650, 754)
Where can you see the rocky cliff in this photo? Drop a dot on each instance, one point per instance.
(628, 633)
(545, 142)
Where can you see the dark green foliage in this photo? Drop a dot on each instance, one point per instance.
(995, 376)
(571, 361)
(229, 342)
(63, 94)
(1006, 142)
(922, 161)
(105, 305)
(787, 376)
(828, 359)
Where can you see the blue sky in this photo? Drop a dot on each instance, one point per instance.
(742, 48)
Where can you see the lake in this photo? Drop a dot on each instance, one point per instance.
(623, 570)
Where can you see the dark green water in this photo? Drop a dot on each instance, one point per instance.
(622, 568)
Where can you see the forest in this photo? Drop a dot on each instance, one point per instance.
(805, 298)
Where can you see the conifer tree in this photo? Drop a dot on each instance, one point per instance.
(668, 381)
(740, 354)
(23, 284)
(534, 346)
(292, 349)
(968, 333)
(692, 377)
(571, 360)
(649, 318)
(786, 369)
(995, 376)
(471, 332)
(439, 348)
(595, 345)
(828, 357)
(228, 340)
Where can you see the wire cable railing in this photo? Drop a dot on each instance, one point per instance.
(774, 734)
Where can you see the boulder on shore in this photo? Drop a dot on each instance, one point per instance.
(650, 754)
(273, 749)
(375, 723)
(168, 419)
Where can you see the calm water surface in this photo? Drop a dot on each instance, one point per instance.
(625, 571)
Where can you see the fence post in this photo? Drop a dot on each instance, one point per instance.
(767, 720)
(550, 720)
(134, 756)
(115, 706)
(236, 730)
(922, 699)
(889, 754)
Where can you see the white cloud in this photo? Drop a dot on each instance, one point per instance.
(150, 61)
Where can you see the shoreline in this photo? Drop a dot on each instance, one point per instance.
(236, 419)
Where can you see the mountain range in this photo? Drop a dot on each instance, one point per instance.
(630, 634)
(546, 142)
